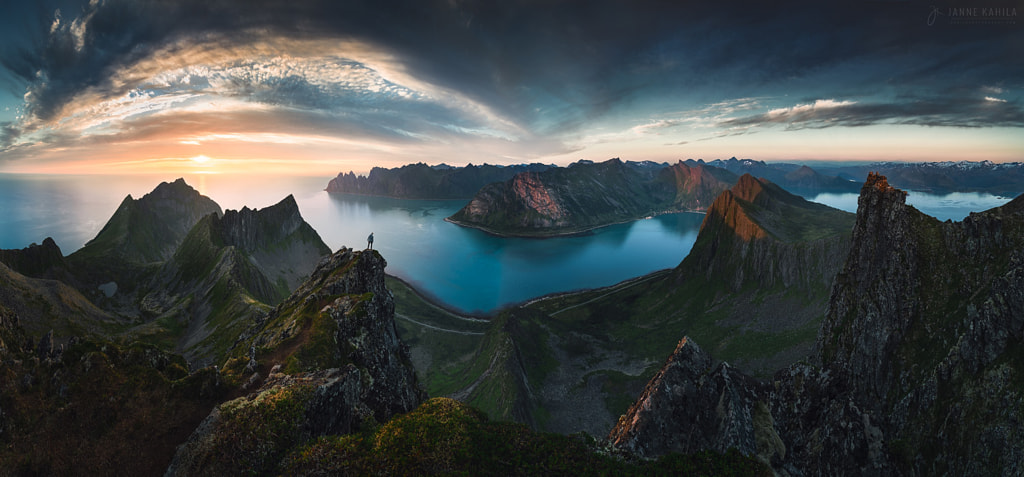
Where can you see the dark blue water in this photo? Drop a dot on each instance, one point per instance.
(464, 268)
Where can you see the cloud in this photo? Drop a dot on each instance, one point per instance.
(512, 72)
(921, 111)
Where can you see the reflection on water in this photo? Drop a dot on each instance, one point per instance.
(465, 268)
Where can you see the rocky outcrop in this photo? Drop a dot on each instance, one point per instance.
(586, 195)
(334, 363)
(420, 181)
(691, 406)
(918, 357)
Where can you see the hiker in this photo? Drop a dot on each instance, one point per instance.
(369, 241)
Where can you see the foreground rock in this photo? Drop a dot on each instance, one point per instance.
(335, 365)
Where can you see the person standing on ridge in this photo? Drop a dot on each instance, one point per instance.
(369, 241)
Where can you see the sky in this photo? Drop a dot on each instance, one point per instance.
(321, 87)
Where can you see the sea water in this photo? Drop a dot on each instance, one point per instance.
(463, 268)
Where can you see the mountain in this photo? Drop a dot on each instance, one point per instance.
(917, 366)
(226, 272)
(420, 181)
(797, 179)
(1002, 179)
(140, 235)
(586, 195)
(696, 184)
(321, 382)
(329, 362)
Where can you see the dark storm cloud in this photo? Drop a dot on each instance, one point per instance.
(936, 111)
(547, 66)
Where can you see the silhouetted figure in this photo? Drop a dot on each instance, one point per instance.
(369, 241)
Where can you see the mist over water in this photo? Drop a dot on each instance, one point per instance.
(954, 206)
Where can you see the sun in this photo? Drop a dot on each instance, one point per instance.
(201, 159)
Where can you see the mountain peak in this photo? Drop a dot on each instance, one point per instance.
(880, 184)
(748, 188)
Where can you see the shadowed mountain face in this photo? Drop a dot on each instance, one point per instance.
(923, 328)
(149, 229)
(760, 235)
(420, 181)
(586, 195)
(225, 274)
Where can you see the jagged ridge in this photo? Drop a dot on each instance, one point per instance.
(420, 181)
(923, 329)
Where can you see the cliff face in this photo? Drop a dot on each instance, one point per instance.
(420, 181)
(278, 240)
(923, 329)
(333, 364)
(587, 195)
(691, 404)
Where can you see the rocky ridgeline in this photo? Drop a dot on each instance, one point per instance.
(420, 181)
(278, 240)
(330, 374)
(43, 260)
(918, 367)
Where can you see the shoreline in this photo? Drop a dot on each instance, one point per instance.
(393, 197)
(627, 283)
(437, 303)
(584, 231)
